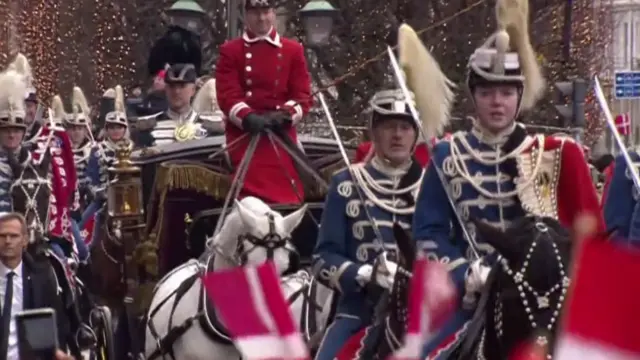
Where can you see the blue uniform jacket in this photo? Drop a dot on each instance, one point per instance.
(622, 209)
(345, 239)
(434, 221)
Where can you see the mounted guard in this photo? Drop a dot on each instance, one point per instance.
(77, 125)
(621, 199)
(262, 82)
(12, 131)
(179, 122)
(496, 172)
(63, 178)
(356, 250)
(103, 155)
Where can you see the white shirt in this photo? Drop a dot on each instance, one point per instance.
(16, 306)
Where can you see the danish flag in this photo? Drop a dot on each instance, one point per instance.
(623, 124)
(432, 298)
(251, 304)
(602, 313)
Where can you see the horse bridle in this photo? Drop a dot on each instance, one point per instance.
(31, 205)
(525, 289)
(272, 241)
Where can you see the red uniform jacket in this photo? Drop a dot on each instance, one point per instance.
(575, 191)
(365, 152)
(261, 74)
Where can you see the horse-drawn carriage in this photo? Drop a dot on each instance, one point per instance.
(185, 185)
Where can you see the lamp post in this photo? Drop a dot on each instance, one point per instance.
(317, 18)
(187, 14)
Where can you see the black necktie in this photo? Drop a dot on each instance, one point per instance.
(6, 315)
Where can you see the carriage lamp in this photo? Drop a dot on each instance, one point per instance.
(187, 14)
(124, 194)
(317, 18)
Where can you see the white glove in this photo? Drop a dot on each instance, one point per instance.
(364, 274)
(386, 272)
(476, 277)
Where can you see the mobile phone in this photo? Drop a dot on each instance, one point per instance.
(37, 334)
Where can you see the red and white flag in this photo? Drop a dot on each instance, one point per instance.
(623, 124)
(602, 313)
(432, 298)
(251, 304)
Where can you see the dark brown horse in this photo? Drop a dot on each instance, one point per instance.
(522, 300)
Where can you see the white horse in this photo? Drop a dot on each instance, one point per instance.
(181, 324)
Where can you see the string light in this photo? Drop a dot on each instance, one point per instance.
(452, 37)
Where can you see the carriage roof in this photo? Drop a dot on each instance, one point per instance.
(315, 147)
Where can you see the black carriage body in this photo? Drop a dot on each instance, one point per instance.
(184, 191)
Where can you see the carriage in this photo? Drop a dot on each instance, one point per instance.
(185, 185)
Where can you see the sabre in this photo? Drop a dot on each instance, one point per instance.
(612, 126)
(378, 241)
(414, 113)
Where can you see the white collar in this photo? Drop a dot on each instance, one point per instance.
(272, 37)
(4, 270)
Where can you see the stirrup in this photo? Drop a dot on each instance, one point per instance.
(93, 337)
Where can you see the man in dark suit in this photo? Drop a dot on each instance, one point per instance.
(24, 284)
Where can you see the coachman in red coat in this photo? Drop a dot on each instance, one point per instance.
(261, 73)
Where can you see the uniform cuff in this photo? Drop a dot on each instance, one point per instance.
(295, 110)
(238, 112)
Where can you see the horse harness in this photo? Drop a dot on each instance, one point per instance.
(28, 186)
(525, 290)
(206, 314)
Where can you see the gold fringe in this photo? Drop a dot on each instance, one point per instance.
(170, 176)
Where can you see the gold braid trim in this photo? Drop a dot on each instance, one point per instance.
(171, 176)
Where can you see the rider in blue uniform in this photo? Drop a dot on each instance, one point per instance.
(621, 207)
(103, 155)
(346, 250)
(12, 130)
(479, 168)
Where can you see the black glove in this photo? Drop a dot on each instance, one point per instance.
(279, 120)
(254, 123)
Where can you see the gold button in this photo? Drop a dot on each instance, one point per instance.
(278, 68)
(248, 68)
(280, 55)
(277, 82)
(249, 93)
(248, 55)
(249, 82)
